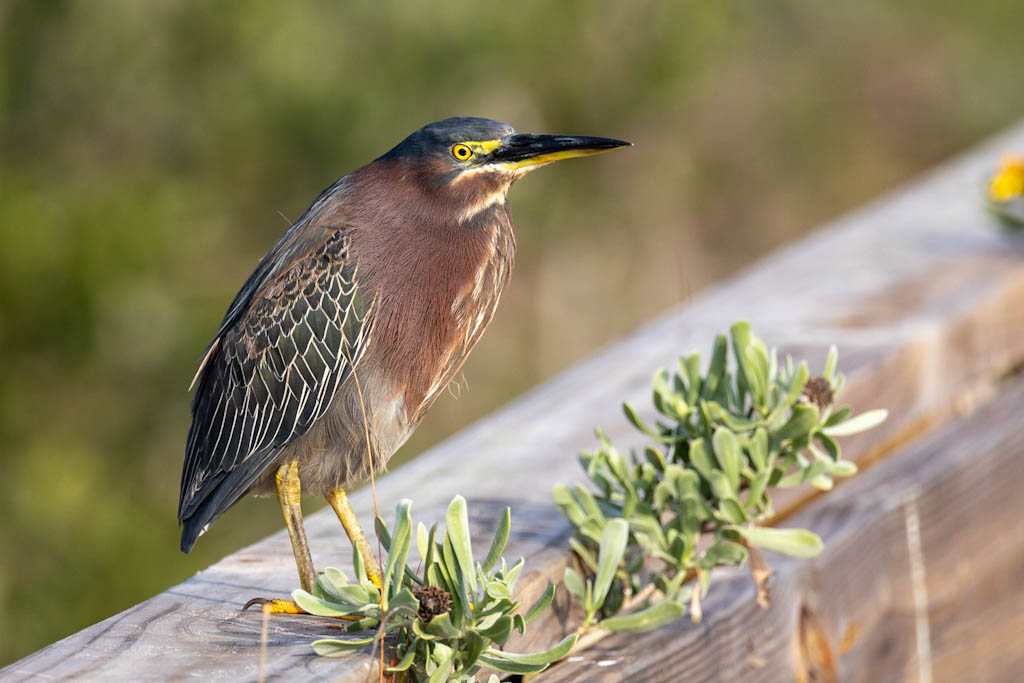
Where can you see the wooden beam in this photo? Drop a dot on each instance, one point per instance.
(923, 295)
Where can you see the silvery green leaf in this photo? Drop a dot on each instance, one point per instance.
(647, 619)
(803, 420)
(634, 419)
(394, 570)
(842, 468)
(754, 368)
(716, 369)
(332, 577)
(756, 490)
(510, 667)
(690, 518)
(498, 632)
(565, 502)
(830, 363)
(471, 650)
(585, 499)
(720, 485)
(574, 583)
(441, 627)
(741, 336)
(715, 414)
(700, 457)
(497, 589)
(684, 481)
(691, 367)
(584, 553)
(854, 425)
(512, 575)
(333, 647)
(603, 483)
(432, 556)
(435, 575)
(418, 630)
(542, 603)
(405, 662)
(802, 475)
(722, 552)
(796, 387)
(500, 539)
(422, 542)
(614, 599)
(383, 534)
(791, 542)
(762, 362)
(324, 608)
(655, 457)
(649, 528)
(758, 449)
(727, 450)
(663, 492)
(829, 444)
(350, 594)
(591, 529)
(838, 416)
(822, 482)
(457, 529)
(553, 654)
(453, 578)
(609, 556)
(444, 665)
(362, 625)
(732, 511)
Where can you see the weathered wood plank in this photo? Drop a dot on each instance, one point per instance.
(856, 612)
(924, 298)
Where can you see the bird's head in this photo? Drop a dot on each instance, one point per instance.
(483, 157)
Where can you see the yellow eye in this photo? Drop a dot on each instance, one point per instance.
(461, 152)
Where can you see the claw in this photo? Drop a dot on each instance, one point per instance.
(275, 606)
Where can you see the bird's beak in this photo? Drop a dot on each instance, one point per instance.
(527, 151)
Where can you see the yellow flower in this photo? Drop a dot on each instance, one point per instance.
(1008, 183)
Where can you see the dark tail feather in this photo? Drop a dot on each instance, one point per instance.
(189, 534)
(219, 496)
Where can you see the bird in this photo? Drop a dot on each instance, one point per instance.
(351, 326)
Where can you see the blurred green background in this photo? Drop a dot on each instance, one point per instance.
(150, 152)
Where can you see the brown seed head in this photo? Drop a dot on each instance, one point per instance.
(819, 392)
(434, 600)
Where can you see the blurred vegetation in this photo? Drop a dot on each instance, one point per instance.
(151, 152)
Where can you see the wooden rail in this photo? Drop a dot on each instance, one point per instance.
(924, 297)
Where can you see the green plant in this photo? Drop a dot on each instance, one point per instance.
(696, 498)
(443, 621)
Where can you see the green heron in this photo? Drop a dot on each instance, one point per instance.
(353, 323)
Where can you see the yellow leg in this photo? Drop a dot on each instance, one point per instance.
(339, 501)
(289, 495)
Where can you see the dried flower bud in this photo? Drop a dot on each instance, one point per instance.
(434, 600)
(819, 392)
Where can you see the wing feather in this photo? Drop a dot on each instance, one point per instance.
(270, 373)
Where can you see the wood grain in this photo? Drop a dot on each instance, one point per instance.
(923, 296)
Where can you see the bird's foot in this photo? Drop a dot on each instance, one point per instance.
(275, 606)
